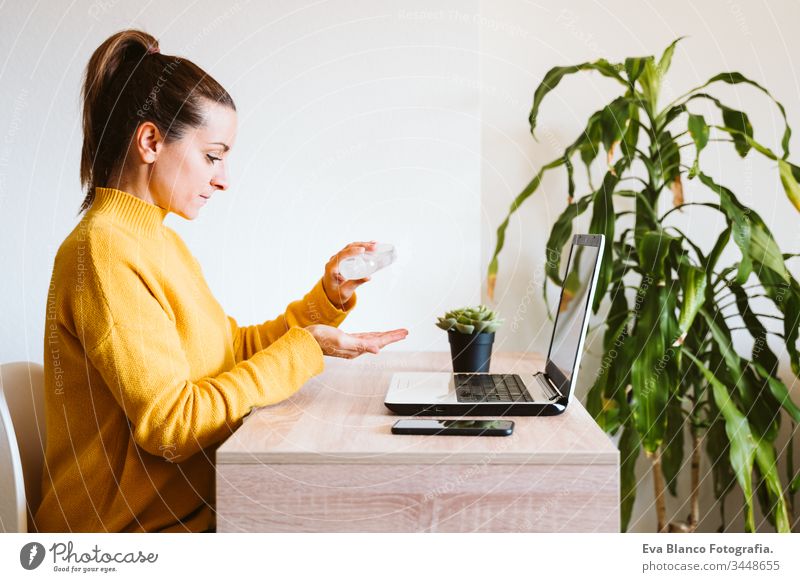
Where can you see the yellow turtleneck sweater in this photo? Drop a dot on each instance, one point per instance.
(145, 375)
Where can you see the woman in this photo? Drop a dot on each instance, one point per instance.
(145, 374)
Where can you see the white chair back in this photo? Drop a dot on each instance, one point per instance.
(22, 443)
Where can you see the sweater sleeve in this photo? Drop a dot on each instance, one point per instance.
(314, 307)
(141, 360)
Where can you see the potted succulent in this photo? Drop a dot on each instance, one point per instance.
(471, 334)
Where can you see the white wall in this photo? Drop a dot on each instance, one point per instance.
(350, 128)
(400, 121)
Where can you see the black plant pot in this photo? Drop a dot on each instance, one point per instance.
(471, 353)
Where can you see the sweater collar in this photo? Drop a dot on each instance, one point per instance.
(142, 217)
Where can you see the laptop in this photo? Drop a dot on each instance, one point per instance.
(525, 394)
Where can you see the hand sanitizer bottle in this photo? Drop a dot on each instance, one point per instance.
(366, 264)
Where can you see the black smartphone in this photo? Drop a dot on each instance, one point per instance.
(453, 427)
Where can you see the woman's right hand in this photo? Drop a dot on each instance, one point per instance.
(335, 342)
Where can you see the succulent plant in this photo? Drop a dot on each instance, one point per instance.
(469, 320)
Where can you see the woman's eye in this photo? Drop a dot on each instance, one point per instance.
(213, 159)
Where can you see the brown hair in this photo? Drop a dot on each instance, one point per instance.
(128, 81)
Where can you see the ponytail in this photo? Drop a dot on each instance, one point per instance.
(127, 82)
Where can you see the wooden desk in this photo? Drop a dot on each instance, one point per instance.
(326, 461)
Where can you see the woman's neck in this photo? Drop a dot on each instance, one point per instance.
(135, 185)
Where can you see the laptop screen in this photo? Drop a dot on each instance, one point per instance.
(571, 316)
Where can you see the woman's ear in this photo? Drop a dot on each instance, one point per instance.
(148, 142)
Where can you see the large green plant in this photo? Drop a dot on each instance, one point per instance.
(669, 367)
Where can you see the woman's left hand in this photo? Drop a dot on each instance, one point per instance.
(338, 289)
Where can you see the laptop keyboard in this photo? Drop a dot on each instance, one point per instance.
(491, 388)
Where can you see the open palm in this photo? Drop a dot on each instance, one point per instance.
(335, 342)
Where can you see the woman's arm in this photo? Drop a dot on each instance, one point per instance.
(136, 347)
(314, 308)
(149, 377)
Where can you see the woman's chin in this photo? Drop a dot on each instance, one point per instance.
(187, 213)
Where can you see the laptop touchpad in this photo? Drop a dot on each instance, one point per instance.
(422, 387)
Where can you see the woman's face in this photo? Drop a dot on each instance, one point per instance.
(187, 172)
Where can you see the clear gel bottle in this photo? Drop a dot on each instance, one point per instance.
(366, 264)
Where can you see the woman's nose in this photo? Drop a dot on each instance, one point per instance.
(220, 180)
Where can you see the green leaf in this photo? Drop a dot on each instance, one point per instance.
(652, 248)
(750, 233)
(780, 392)
(652, 75)
(752, 394)
(669, 331)
(464, 328)
(759, 405)
(618, 316)
(494, 326)
(481, 326)
(737, 125)
(570, 178)
(603, 222)
(613, 120)
(650, 82)
(718, 448)
(742, 445)
(734, 78)
(790, 178)
(553, 77)
(762, 494)
(699, 132)
(646, 217)
(629, 446)
(650, 385)
(605, 411)
(763, 248)
(589, 142)
(667, 156)
(607, 400)
(785, 294)
(678, 254)
(594, 400)
(738, 121)
(740, 224)
(665, 61)
(672, 449)
(761, 353)
(634, 66)
(693, 284)
(631, 136)
(722, 337)
(560, 234)
(741, 137)
(768, 466)
(572, 282)
(719, 246)
(670, 115)
(790, 474)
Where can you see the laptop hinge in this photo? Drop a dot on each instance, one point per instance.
(549, 386)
